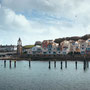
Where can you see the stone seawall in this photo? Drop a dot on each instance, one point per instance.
(49, 57)
(58, 57)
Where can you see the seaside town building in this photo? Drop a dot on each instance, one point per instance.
(38, 43)
(7, 48)
(88, 46)
(77, 47)
(72, 46)
(83, 45)
(37, 50)
(49, 47)
(65, 47)
(27, 49)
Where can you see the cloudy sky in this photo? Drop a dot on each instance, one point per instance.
(38, 20)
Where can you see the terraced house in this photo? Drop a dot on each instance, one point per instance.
(49, 47)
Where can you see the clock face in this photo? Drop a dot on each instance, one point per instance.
(19, 43)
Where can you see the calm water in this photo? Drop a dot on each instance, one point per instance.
(40, 76)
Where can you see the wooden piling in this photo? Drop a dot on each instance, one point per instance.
(65, 64)
(29, 63)
(76, 64)
(49, 65)
(10, 63)
(55, 64)
(5, 63)
(15, 64)
(61, 64)
(84, 65)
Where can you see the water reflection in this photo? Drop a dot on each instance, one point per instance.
(29, 64)
(10, 65)
(49, 65)
(65, 64)
(61, 65)
(43, 76)
(15, 64)
(4, 63)
(55, 64)
(76, 65)
(85, 64)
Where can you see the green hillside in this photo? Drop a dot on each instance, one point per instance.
(28, 46)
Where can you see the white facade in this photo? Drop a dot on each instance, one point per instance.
(88, 46)
(37, 50)
(44, 50)
(65, 46)
(72, 46)
(77, 47)
(83, 47)
(29, 51)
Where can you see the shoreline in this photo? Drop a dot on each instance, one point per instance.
(57, 57)
(49, 58)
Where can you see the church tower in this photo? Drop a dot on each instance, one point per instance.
(19, 47)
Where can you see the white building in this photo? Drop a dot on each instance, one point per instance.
(45, 50)
(65, 47)
(8, 48)
(37, 50)
(77, 47)
(72, 46)
(83, 46)
(88, 46)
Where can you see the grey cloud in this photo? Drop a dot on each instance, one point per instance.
(77, 11)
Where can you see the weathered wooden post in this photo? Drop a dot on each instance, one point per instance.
(55, 64)
(15, 64)
(30, 63)
(10, 63)
(61, 64)
(65, 64)
(84, 65)
(5, 63)
(76, 64)
(49, 65)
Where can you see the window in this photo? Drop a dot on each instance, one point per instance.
(54, 52)
(49, 52)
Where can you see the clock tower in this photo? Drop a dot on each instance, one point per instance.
(19, 47)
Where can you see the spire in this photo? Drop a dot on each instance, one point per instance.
(19, 39)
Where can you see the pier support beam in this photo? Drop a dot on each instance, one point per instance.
(29, 63)
(76, 64)
(49, 65)
(65, 64)
(4, 63)
(84, 65)
(55, 64)
(15, 64)
(61, 64)
(10, 63)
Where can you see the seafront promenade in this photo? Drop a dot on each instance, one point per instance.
(48, 57)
